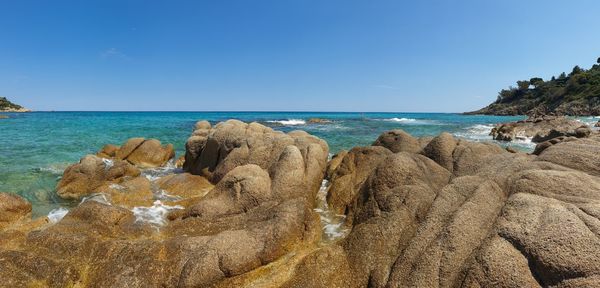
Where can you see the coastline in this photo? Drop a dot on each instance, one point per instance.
(313, 205)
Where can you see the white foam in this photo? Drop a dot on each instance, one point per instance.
(57, 214)
(333, 224)
(116, 186)
(154, 215)
(476, 132)
(57, 169)
(405, 120)
(108, 163)
(154, 174)
(288, 122)
(162, 194)
(98, 197)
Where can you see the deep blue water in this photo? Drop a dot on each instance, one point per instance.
(36, 147)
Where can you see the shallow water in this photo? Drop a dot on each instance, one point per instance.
(36, 147)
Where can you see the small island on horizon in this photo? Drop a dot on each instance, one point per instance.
(7, 106)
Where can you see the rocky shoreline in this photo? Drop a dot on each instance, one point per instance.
(249, 207)
(7, 106)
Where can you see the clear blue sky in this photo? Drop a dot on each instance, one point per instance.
(296, 55)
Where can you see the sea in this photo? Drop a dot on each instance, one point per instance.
(36, 147)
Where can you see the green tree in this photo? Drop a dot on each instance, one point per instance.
(523, 85)
(536, 81)
(576, 70)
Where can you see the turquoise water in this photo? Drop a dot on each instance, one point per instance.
(36, 147)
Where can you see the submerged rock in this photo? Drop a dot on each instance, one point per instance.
(318, 121)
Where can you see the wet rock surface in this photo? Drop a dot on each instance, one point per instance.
(244, 212)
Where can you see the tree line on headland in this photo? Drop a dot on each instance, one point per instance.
(576, 94)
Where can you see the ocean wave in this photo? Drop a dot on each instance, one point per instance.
(403, 120)
(481, 129)
(57, 214)
(476, 132)
(288, 122)
(154, 215)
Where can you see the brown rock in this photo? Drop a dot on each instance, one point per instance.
(318, 121)
(150, 153)
(440, 150)
(184, 185)
(398, 141)
(128, 147)
(90, 173)
(108, 151)
(334, 163)
(353, 170)
(13, 208)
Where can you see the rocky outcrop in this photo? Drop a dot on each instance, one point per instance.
(140, 152)
(7, 106)
(90, 173)
(398, 141)
(452, 213)
(214, 151)
(349, 175)
(540, 129)
(476, 217)
(259, 211)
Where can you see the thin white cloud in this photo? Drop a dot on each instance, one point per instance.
(389, 87)
(113, 53)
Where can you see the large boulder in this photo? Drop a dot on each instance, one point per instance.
(13, 208)
(350, 174)
(398, 141)
(90, 173)
(214, 151)
(150, 153)
(440, 149)
(143, 153)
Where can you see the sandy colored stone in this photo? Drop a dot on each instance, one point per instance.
(398, 141)
(13, 208)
